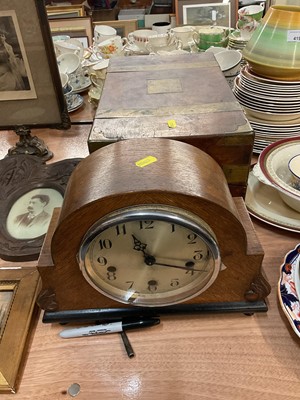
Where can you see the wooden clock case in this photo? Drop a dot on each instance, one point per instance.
(117, 176)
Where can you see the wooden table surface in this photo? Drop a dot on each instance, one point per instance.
(203, 357)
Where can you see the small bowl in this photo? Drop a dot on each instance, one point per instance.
(274, 170)
(229, 61)
(214, 49)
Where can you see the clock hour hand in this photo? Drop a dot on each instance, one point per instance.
(139, 246)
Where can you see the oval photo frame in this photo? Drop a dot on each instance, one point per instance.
(31, 190)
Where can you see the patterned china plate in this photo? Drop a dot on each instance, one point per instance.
(289, 288)
(87, 83)
(77, 103)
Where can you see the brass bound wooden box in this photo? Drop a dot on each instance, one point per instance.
(183, 97)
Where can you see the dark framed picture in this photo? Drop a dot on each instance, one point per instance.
(18, 292)
(27, 201)
(207, 14)
(30, 88)
(206, 9)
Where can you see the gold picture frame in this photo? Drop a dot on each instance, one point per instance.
(74, 27)
(22, 285)
(123, 27)
(71, 11)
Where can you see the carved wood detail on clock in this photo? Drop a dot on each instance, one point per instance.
(259, 289)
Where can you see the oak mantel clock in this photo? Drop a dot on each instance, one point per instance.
(149, 227)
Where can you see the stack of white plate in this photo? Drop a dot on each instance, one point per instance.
(272, 107)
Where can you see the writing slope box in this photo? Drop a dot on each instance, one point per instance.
(142, 95)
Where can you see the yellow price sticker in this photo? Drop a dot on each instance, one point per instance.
(172, 123)
(145, 161)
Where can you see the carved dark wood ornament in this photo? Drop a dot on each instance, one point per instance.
(23, 181)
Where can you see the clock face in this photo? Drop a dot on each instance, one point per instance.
(150, 255)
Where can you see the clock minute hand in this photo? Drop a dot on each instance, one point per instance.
(150, 260)
(187, 268)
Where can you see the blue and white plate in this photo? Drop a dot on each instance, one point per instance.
(289, 288)
(77, 102)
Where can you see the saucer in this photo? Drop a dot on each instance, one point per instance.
(87, 83)
(77, 103)
(264, 203)
(289, 288)
(134, 49)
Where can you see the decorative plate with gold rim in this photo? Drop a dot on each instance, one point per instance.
(289, 288)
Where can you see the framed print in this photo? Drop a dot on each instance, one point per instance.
(179, 4)
(73, 27)
(71, 11)
(84, 40)
(30, 89)
(18, 291)
(27, 201)
(123, 27)
(207, 14)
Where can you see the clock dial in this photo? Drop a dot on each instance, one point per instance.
(150, 255)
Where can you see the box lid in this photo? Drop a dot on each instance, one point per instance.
(142, 93)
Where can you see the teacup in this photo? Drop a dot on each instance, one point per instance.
(162, 42)
(184, 34)
(68, 63)
(249, 18)
(246, 28)
(78, 79)
(140, 38)
(71, 99)
(210, 36)
(111, 47)
(103, 32)
(68, 46)
(99, 69)
(248, 13)
(161, 27)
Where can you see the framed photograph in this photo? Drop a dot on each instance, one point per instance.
(18, 291)
(73, 27)
(27, 201)
(29, 97)
(71, 11)
(206, 12)
(123, 27)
